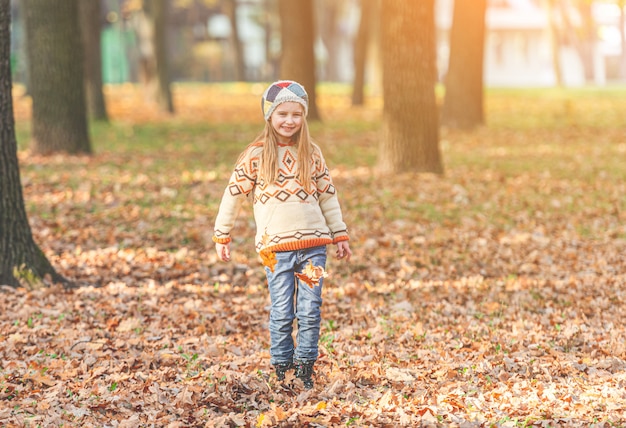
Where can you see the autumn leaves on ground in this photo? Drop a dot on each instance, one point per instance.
(491, 296)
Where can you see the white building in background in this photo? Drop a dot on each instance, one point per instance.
(518, 48)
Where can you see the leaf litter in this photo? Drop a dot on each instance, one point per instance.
(482, 298)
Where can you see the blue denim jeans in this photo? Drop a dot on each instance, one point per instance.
(294, 299)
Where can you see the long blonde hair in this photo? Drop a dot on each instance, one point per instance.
(268, 168)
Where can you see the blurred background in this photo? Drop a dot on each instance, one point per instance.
(527, 42)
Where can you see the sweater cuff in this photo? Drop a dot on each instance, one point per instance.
(225, 240)
(340, 238)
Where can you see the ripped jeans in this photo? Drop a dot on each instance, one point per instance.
(294, 299)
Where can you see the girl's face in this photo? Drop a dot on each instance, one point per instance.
(287, 120)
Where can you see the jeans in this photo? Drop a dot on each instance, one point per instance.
(294, 299)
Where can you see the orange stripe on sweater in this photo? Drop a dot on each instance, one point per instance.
(298, 245)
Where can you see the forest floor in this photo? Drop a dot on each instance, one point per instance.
(493, 295)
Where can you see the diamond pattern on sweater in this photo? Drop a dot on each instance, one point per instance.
(283, 196)
(234, 190)
(304, 226)
(302, 194)
(282, 179)
(289, 161)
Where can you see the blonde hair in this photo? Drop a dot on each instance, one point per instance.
(268, 168)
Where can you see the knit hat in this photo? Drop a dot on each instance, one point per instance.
(281, 92)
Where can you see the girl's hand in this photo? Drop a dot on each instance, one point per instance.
(223, 251)
(343, 250)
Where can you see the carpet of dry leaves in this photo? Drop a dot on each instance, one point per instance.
(492, 296)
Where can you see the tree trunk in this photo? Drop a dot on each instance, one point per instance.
(588, 40)
(144, 31)
(555, 43)
(577, 35)
(360, 51)
(230, 8)
(410, 119)
(59, 119)
(90, 25)
(328, 12)
(463, 102)
(298, 57)
(270, 70)
(21, 260)
(157, 12)
(150, 26)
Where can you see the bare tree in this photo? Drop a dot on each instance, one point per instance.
(555, 41)
(91, 26)
(588, 39)
(298, 56)
(230, 9)
(158, 13)
(463, 100)
(55, 58)
(150, 24)
(21, 260)
(410, 117)
(363, 38)
(328, 12)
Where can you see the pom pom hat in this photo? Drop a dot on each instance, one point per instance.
(283, 91)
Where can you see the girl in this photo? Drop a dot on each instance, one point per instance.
(297, 215)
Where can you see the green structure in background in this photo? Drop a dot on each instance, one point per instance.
(117, 48)
(118, 54)
(18, 60)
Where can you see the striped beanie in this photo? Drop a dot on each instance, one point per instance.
(283, 91)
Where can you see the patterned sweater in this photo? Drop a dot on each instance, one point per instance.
(287, 216)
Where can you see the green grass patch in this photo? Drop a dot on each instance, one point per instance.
(543, 152)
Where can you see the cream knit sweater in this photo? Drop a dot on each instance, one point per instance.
(287, 216)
